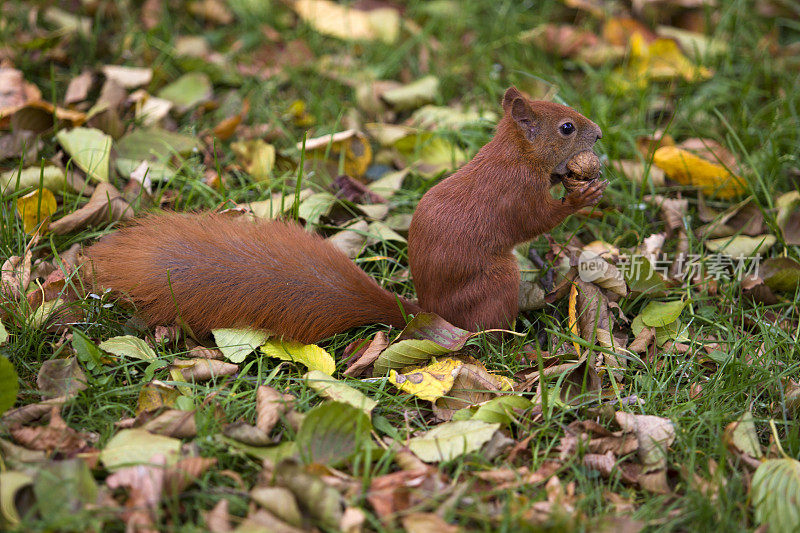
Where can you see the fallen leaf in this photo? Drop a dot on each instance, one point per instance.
(348, 23)
(429, 382)
(90, 150)
(200, 370)
(689, 169)
(128, 77)
(257, 157)
(188, 91)
(270, 406)
(236, 344)
(450, 440)
(138, 446)
(35, 210)
(338, 391)
(310, 355)
(774, 490)
(55, 437)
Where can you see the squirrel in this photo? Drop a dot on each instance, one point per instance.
(212, 271)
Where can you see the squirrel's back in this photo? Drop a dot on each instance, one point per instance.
(214, 271)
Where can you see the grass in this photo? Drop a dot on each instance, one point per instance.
(750, 105)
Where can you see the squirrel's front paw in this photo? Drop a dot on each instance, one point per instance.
(588, 195)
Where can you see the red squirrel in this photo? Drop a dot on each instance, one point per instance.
(212, 271)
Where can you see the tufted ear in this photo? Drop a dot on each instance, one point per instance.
(524, 117)
(511, 93)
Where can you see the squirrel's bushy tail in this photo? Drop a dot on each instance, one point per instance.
(215, 271)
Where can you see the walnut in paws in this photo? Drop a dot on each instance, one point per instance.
(584, 166)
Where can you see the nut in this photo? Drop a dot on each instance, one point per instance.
(584, 166)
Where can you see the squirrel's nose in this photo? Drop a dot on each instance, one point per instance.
(598, 134)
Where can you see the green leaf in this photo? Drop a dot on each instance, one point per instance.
(642, 277)
(90, 150)
(662, 313)
(776, 492)
(53, 178)
(452, 439)
(187, 91)
(9, 385)
(11, 482)
(413, 95)
(236, 344)
(332, 432)
(338, 391)
(62, 487)
(155, 144)
(85, 349)
(741, 245)
(129, 346)
(781, 274)
(316, 206)
(500, 410)
(427, 335)
(137, 446)
(3, 333)
(310, 355)
(276, 453)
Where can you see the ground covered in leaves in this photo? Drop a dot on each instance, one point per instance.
(651, 381)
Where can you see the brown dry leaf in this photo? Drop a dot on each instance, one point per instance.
(263, 520)
(32, 412)
(353, 520)
(199, 370)
(105, 205)
(225, 129)
(788, 217)
(218, 519)
(596, 324)
(16, 91)
(185, 472)
(352, 144)
(270, 406)
(744, 217)
(78, 88)
(741, 439)
(643, 340)
(355, 191)
(16, 274)
(398, 491)
(547, 469)
(244, 432)
(214, 11)
(473, 385)
(672, 210)
(654, 434)
(171, 423)
(563, 40)
(619, 30)
(639, 172)
(427, 523)
(55, 437)
(60, 377)
(145, 484)
(360, 365)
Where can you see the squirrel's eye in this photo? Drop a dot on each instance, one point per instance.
(567, 128)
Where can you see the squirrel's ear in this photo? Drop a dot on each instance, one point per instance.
(511, 93)
(524, 117)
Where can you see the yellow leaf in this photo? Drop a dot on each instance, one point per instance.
(430, 382)
(354, 144)
(310, 355)
(689, 169)
(154, 395)
(256, 156)
(573, 316)
(347, 23)
(35, 208)
(662, 60)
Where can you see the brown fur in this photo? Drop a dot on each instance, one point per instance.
(464, 229)
(213, 271)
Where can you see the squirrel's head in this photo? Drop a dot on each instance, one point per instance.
(552, 133)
